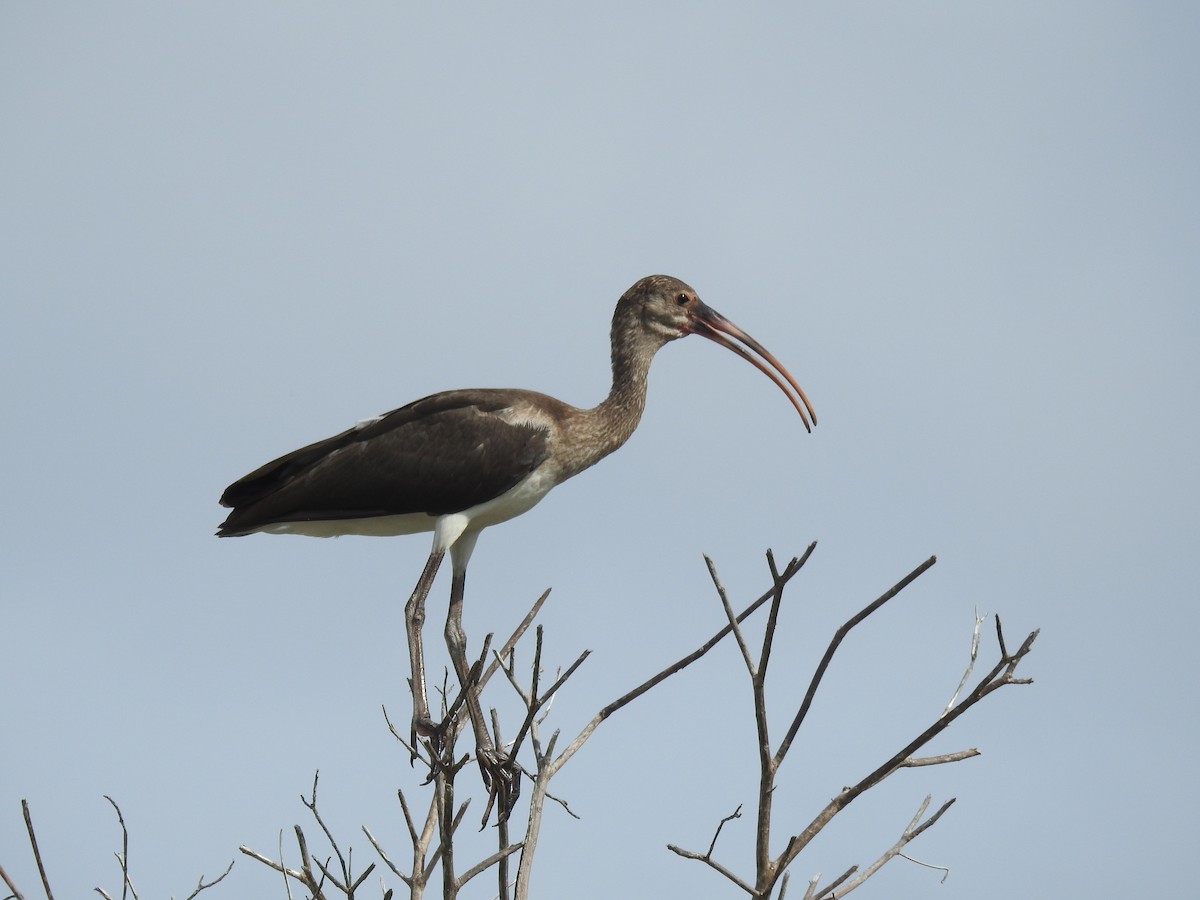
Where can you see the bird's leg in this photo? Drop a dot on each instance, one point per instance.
(501, 775)
(414, 620)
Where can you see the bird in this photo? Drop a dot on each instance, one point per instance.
(459, 461)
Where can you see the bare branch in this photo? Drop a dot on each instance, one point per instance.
(37, 854)
(485, 864)
(408, 819)
(1000, 675)
(312, 807)
(736, 814)
(979, 620)
(789, 571)
(957, 756)
(730, 615)
(945, 870)
(833, 885)
(309, 879)
(772, 621)
(709, 861)
(383, 855)
(510, 672)
(287, 884)
(928, 823)
(563, 803)
(912, 831)
(202, 885)
(517, 634)
(14, 891)
(707, 857)
(538, 702)
(271, 864)
(123, 856)
(838, 636)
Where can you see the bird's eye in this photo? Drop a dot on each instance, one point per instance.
(682, 299)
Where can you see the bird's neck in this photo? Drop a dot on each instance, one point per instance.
(604, 428)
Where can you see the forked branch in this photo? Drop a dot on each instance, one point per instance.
(771, 872)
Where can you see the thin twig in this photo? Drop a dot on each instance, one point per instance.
(123, 858)
(312, 807)
(287, 884)
(485, 864)
(37, 854)
(1000, 675)
(270, 863)
(979, 620)
(383, 855)
(517, 634)
(709, 861)
(772, 619)
(945, 870)
(838, 636)
(14, 891)
(550, 692)
(957, 756)
(201, 885)
(789, 571)
(912, 831)
(730, 615)
(563, 803)
(736, 814)
(833, 885)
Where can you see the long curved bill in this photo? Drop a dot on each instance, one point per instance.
(707, 322)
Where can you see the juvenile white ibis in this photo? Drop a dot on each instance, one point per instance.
(459, 461)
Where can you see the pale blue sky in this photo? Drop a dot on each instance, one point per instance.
(970, 231)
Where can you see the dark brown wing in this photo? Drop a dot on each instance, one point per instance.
(441, 454)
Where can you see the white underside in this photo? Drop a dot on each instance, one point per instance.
(447, 529)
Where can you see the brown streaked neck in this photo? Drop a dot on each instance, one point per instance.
(594, 433)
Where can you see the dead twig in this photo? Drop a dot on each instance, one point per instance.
(715, 866)
(203, 885)
(1001, 674)
(957, 756)
(123, 856)
(14, 891)
(914, 828)
(835, 642)
(736, 814)
(979, 620)
(37, 854)
(773, 872)
(794, 566)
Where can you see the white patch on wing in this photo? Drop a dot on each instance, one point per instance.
(524, 414)
(363, 423)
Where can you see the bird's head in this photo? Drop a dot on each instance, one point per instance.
(664, 309)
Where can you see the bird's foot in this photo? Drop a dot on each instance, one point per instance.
(424, 726)
(430, 735)
(502, 778)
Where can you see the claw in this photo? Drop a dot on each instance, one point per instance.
(423, 727)
(502, 778)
